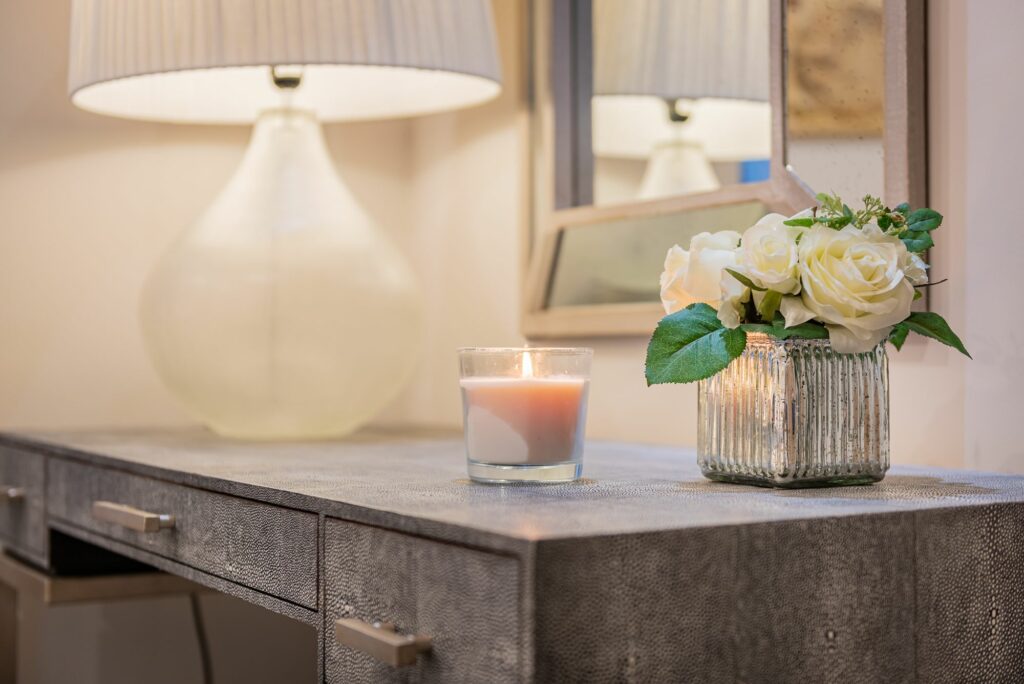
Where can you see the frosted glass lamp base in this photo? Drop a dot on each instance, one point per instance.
(507, 474)
(283, 313)
(677, 167)
(794, 413)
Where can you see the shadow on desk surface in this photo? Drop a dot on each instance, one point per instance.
(894, 486)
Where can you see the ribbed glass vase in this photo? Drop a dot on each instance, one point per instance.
(794, 413)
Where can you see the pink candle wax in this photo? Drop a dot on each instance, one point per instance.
(524, 420)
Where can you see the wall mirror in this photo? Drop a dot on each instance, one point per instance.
(654, 120)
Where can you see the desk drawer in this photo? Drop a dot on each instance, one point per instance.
(465, 601)
(22, 513)
(260, 546)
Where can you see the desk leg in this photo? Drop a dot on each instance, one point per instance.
(8, 633)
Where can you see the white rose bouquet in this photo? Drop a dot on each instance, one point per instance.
(828, 272)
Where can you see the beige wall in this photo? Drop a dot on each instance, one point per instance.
(154, 641)
(87, 204)
(466, 257)
(467, 212)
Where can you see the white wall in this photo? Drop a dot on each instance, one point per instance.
(992, 175)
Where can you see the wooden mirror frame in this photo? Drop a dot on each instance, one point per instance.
(557, 139)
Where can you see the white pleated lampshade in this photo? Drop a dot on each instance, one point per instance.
(206, 61)
(681, 48)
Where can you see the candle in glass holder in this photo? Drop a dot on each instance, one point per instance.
(524, 412)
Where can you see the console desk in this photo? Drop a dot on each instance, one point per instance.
(641, 572)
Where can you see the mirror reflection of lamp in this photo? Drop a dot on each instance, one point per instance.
(681, 83)
(678, 162)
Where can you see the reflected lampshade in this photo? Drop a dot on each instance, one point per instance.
(707, 59)
(675, 49)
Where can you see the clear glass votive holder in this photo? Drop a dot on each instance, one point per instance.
(524, 411)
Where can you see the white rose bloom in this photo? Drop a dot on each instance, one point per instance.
(853, 281)
(734, 295)
(696, 275)
(768, 254)
(915, 269)
(673, 296)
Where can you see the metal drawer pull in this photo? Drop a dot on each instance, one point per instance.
(132, 518)
(11, 493)
(380, 641)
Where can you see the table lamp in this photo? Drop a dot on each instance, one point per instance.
(283, 313)
(678, 82)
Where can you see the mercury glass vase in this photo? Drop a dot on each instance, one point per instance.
(795, 413)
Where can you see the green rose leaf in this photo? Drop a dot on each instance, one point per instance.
(934, 326)
(690, 345)
(770, 304)
(810, 331)
(923, 220)
(903, 208)
(745, 280)
(898, 335)
(778, 329)
(802, 222)
(917, 242)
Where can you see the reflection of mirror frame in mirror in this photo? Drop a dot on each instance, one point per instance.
(560, 150)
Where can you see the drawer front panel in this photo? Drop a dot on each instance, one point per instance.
(466, 601)
(22, 511)
(261, 546)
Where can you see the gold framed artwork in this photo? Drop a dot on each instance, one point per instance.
(835, 92)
